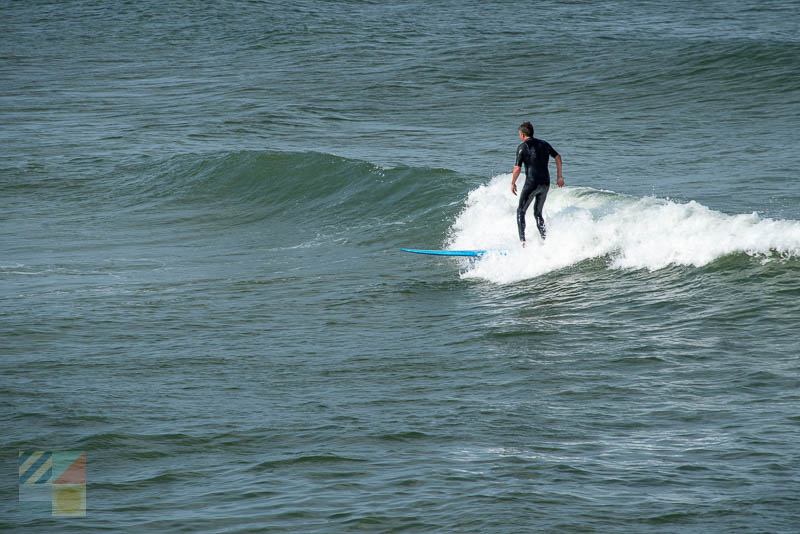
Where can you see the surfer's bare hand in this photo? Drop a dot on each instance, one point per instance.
(514, 189)
(560, 181)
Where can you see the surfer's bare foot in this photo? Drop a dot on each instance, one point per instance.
(523, 244)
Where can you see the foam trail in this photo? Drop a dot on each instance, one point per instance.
(633, 233)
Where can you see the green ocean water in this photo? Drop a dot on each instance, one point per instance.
(201, 210)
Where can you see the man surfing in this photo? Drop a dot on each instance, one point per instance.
(535, 154)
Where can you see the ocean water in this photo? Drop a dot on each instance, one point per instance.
(201, 207)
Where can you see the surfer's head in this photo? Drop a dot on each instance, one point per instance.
(526, 129)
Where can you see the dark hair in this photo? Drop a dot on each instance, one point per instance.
(526, 128)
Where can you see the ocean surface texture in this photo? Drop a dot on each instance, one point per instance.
(201, 210)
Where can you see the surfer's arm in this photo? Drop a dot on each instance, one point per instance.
(560, 180)
(514, 179)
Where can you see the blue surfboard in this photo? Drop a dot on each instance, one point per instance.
(471, 253)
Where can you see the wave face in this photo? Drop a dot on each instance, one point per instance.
(628, 232)
(292, 197)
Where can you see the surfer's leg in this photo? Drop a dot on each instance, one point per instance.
(525, 199)
(538, 206)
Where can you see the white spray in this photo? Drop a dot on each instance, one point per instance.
(632, 233)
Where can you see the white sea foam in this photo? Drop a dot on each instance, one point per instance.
(631, 233)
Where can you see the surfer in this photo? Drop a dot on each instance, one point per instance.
(535, 154)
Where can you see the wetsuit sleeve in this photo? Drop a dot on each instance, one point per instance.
(552, 150)
(521, 150)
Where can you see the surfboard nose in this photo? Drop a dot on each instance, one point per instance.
(469, 253)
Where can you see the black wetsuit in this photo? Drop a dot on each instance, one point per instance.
(535, 154)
